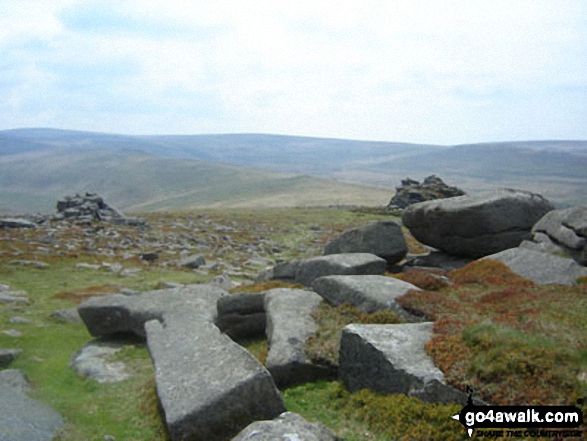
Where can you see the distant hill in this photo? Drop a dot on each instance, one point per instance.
(158, 172)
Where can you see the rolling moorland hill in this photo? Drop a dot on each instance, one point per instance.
(146, 173)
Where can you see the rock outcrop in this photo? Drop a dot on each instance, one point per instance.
(393, 359)
(476, 226)
(288, 426)
(384, 239)
(91, 207)
(339, 264)
(412, 192)
(368, 293)
(561, 231)
(16, 223)
(541, 268)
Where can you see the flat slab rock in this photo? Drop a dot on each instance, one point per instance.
(339, 264)
(393, 359)
(94, 361)
(119, 313)
(288, 426)
(368, 293)
(479, 225)
(541, 268)
(289, 325)
(21, 417)
(210, 388)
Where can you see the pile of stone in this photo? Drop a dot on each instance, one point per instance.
(412, 192)
(90, 207)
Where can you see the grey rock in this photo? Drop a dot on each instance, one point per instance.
(7, 297)
(192, 262)
(7, 356)
(16, 223)
(210, 388)
(22, 418)
(393, 359)
(67, 315)
(94, 361)
(437, 259)
(368, 293)
(19, 320)
(384, 239)
(339, 264)
(242, 315)
(412, 192)
(118, 313)
(33, 263)
(87, 266)
(288, 426)
(223, 281)
(4, 288)
(12, 333)
(562, 231)
(476, 226)
(289, 325)
(541, 268)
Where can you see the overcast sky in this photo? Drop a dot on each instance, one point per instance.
(441, 72)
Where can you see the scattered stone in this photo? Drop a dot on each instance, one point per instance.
(562, 231)
(476, 226)
(149, 257)
(436, 259)
(4, 288)
(193, 262)
(91, 207)
(285, 271)
(16, 223)
(209, 387)
(19, 320)
(223, 281)
(22, 418)
(393, 359)
(412, 192)
(368, 293)
(12, 333)
(541, 268)
(8, 297)
(289, 325)
(242, 315)
(33, 263)
(288, 426)
(7, 356)
(162, 284)
(384, 239)
(67, 315)
(118, 313)
(87, 266)
(93, 361)
(339, 264)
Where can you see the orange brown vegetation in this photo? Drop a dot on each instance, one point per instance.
(90, 291)
(265, 286)
(429, 280)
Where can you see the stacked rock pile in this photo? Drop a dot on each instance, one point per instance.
(411, 192)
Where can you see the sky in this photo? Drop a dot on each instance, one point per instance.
(422, 71)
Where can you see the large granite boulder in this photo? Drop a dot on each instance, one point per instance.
(479, 225)
(342, 264)
(91, 207)
(210, 388)
(384, 239)
(242, 315)
(412, 192)
(368, 293)
(289, 325)
(119, 313)
(393, 359)
(562, 231)
(541, 268)
(21, 417)
(288, 426)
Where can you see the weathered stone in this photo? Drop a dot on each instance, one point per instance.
(384, 239)
(7, 297)
(19, 320)
(210, 388)
(368, 293)
(66, 315)
(7, 356)
(339, 264)
(412, 192)
(22, 418)
(94, 361)
(541, 268)
(34, 263)
(437, 259)
(562, 231)
(241, 315)
(393, 359)
(476, 226)
(118, 313)
(288, 426)
(16, 223)
(192, 262)
(289, 325)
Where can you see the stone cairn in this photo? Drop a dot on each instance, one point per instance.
(412, 192)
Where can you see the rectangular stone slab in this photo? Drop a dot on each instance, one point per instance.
(210, 388)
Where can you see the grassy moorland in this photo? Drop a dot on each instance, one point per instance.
(514, 342)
